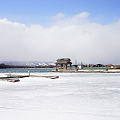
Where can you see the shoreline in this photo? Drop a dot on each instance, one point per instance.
(87, 70)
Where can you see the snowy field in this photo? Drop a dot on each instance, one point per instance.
(74, 96)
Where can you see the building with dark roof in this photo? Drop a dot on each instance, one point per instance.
(63, 63)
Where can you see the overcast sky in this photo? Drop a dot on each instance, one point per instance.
(89, 34)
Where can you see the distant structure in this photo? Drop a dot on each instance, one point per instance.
(63, 63)
(81, 66)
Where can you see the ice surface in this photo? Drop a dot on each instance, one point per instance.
(74, 96)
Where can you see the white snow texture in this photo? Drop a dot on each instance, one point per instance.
(74, 96)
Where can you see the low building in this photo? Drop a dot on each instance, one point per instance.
(63, 63)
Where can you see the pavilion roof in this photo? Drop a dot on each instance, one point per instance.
(64, 61)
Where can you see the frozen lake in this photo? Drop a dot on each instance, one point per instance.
(74, 96)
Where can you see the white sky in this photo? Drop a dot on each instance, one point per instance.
(76, 38)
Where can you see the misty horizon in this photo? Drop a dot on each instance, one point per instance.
(86, 35)
(86, 42)
(47, 62)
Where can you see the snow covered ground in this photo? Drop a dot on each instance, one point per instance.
(74, 96)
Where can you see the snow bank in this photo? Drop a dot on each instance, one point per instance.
(74, 96)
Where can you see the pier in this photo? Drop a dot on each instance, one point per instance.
(88, 70)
